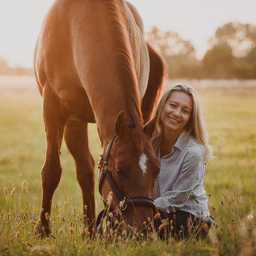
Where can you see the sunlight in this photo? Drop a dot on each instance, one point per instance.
(195, 21)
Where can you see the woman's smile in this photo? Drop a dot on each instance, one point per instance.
(173, 120)
(176, 112)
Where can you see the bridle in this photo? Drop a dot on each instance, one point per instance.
(124, 200)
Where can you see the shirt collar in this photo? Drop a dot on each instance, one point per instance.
(180, 143)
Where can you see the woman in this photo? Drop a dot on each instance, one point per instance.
(180, 142)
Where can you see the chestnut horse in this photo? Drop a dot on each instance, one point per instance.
(92, 64)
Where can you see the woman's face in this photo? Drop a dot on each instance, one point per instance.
(176, 112)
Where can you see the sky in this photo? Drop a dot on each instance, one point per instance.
(193, 20)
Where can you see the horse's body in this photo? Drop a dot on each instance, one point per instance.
(91, 63)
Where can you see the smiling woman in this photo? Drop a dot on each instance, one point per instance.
(180, 142)
(175, 115)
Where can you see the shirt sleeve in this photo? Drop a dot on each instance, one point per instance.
(190, 175)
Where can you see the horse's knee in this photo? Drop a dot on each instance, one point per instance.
(50, 177)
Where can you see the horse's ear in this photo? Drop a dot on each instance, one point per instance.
(120, 126)
(150, 127)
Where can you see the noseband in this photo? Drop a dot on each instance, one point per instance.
(124, 200)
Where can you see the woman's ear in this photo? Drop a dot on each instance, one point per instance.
(150, 127)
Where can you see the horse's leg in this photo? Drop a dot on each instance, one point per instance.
(76, 138)
(51, 170)
(154, 86)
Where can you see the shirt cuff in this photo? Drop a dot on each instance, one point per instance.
(162, 204)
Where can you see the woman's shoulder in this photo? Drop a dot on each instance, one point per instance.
(194, 148)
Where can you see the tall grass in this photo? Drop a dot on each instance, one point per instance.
(230, 177)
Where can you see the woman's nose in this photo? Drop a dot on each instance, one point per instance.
(177, 112)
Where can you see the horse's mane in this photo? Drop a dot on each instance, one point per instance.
(118, 19)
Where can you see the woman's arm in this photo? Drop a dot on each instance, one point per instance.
(190, 176)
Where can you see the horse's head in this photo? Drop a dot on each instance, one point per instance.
(129, 172)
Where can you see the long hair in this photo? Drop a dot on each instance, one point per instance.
(195, 126)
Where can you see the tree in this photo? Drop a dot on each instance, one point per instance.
(4, 68)
(170, 43)
(245, 68)
(179, 54)
(240, 37)
(218, 61)
(233, 52)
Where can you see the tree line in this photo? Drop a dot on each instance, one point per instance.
(232, 53)
(6, 70)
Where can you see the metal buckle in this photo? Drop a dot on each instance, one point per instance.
(123, 204)
(104, 169)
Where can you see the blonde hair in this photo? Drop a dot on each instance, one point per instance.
(195, 126)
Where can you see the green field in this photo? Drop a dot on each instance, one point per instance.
(229, 108)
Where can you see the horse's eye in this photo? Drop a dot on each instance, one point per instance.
(120, 171)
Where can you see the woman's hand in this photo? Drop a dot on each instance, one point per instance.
(100, 162)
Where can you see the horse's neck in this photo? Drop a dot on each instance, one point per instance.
(106, 123)
(139, 50)
(123, 85)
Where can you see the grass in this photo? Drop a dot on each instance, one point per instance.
(229, 180)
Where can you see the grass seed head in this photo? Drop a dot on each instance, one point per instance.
(110, 198)
(161, 227)
(5, 190)
(190, 229)
(157, 216)
(71, 231)
(30, 245)
(47, 216)
(13, 192)
(23, 184)
(206, 227)
(250, 217)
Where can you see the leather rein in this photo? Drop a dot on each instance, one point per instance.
(124, 200)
